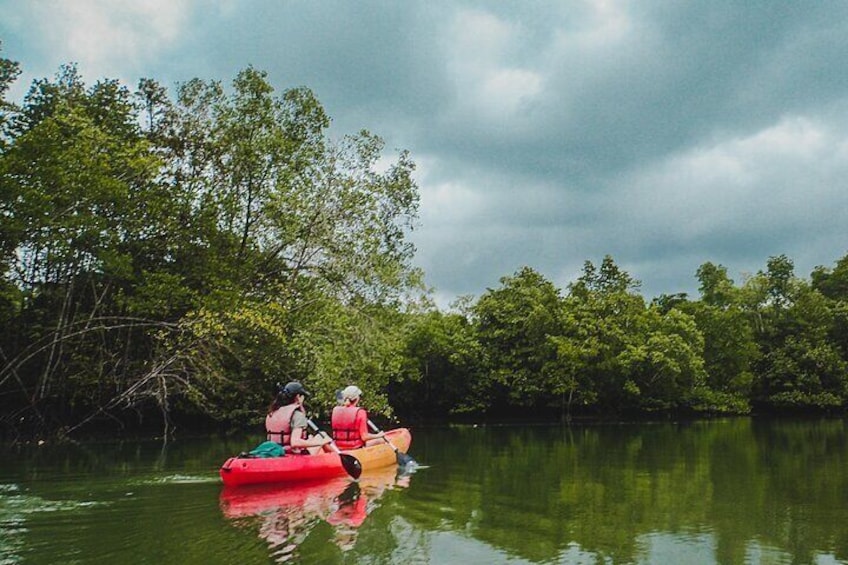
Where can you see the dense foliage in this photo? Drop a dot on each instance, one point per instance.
(176, 255)
(775, 343)
(185, 255)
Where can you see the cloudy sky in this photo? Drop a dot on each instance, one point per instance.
(546, 133)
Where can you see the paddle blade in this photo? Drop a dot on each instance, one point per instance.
(351, 464)
(403, 459)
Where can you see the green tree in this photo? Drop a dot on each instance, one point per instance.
(603, 311)
(663, 362)
(9, 72)
(314, 235)
(801, 367)
(569, 371)
(9, 230)
(832, 283)
(730, 347)
(442, 367)
(73, 174)
(621, 356)
(513, 323)
(187, 254)
(716, 287)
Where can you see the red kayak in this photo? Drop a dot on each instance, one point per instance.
(299, 468)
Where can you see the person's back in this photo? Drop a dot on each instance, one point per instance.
(347, 422)
(278, 423)
(350, 422)
(286, 421)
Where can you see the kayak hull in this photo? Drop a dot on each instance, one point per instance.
(301, 468)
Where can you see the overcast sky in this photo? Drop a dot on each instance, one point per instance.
(546, 133)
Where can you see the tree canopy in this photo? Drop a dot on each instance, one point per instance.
(189, 253)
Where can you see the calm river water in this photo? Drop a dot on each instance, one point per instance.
(729, 491)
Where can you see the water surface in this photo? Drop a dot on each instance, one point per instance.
(730, 491)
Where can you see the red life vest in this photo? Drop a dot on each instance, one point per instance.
(346, 422)
(278, 424)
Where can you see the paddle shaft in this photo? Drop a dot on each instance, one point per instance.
(402, 458)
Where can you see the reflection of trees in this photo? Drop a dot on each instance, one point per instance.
(288, 515)
(728, 485)
(126, 457)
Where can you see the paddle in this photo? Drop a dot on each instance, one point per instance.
(402, 458)
(350, 463)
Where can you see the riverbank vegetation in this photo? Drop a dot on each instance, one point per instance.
(171, 256)
(775, 343)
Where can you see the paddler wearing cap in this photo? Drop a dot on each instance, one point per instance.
(350, 422)
(286, 422)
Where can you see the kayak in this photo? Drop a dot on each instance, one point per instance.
(299, 468)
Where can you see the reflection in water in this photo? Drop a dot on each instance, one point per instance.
(287, 514)
(719, 492)
(714, 492)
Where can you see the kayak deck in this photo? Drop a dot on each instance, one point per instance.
(298, 468)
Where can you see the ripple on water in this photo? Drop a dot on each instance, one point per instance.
(177, 479)
(17, 508)
(14, 502)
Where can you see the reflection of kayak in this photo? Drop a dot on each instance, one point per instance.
(262, 499)
(298, 468)
(287, 513)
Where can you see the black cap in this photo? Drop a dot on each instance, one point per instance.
(293, 388)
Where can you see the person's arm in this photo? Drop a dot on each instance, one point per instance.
(312, 441)
(364, 433)
(297, 440)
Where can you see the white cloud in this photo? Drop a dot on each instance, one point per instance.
(489, 88)
(787, 174)
(449, 202)
(607, 25)
(480, 36)
(109, 37)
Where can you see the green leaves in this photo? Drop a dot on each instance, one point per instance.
(247, 246)
(597, 347)
(775, 342)
(513, 323)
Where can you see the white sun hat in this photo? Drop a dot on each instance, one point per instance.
(351, 393)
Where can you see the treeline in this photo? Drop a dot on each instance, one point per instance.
(776, 343)
(169, 257)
